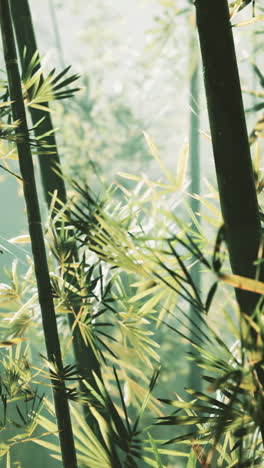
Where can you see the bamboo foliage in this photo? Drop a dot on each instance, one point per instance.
(133, 281)
(86, 355)
(51, 180)
(166, 30)
(157, 256)
(223, 429)
(37, 240)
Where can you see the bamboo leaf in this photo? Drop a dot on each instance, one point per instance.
(155, 452)
(192, 460)
(247, 22)
(11, 342)
(23, 239)
(241, 282)
(182, 166)
(154, 151)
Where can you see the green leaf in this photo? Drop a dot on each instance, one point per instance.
(192, 460)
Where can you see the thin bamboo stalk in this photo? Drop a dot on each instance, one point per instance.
(37, 239)
(195, 377)
(56, 33)
(230, 143)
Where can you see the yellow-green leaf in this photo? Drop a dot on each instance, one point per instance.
(12, 342)
(241, 282)
(23, 239)
(154, 151)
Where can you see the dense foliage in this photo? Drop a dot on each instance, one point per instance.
(140, 282)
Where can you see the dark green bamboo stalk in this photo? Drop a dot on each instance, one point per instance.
(230, 142)
(195, 377)
(37, 239)
(231, 150)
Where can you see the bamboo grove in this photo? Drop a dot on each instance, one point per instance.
(118, 275)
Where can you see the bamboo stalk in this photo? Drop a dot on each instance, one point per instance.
(53, 17)
(230, 143)
(195, 377)
(37, 239)
(231, 149)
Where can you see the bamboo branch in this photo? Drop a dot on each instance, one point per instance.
(37, 239)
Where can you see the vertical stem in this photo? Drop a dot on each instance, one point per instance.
(230, 142)
(37, 239)
(57, 33)
(231, 149)
(194, 138)
(195, 377)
